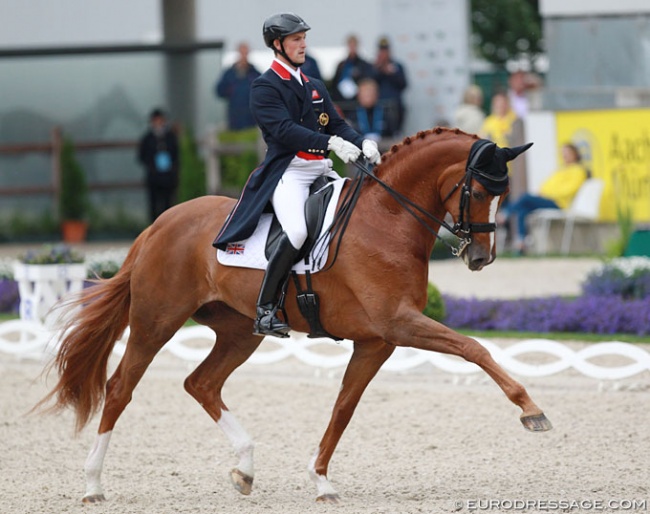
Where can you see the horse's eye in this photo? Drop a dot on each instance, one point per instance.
(478, 195)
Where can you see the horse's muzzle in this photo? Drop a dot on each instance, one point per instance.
(477, 258)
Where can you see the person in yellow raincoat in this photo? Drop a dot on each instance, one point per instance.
(556, 192)
(497, 127)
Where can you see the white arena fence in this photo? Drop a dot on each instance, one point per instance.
(33, 340)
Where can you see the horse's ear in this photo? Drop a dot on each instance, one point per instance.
(510, 153)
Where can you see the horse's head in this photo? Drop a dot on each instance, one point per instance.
(474, 200)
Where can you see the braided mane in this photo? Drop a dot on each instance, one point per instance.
(421, 135)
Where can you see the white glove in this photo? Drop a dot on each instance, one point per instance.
(370, 151)
(344, 149)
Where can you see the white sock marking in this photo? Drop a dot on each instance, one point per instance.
(95, 463)
(240, 440)
(323, 486)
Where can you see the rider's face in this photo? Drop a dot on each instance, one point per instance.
(295, 46)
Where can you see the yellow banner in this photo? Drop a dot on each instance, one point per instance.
(615, 146)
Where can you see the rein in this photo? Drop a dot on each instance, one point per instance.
(461, 229)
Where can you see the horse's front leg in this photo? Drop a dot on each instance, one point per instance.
(366, 360)
(415, 330)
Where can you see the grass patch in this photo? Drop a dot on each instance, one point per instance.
(556, 336)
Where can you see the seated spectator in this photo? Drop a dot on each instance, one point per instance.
(469, 115)
(557, 192)
(369, 117)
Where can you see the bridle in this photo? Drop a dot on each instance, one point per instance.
(463, 228)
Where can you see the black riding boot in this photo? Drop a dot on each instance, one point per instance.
(280, 264)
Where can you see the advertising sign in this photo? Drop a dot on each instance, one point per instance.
(615, 146)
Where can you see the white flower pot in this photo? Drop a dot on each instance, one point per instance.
(41, 286)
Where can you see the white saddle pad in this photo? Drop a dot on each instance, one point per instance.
(250, 252)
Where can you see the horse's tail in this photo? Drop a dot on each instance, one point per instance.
(88, 337)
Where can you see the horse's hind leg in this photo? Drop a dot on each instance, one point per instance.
(139, 353)
(364, 364)
(235, 344)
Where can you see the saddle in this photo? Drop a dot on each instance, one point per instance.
(315, 208)
(308, 301)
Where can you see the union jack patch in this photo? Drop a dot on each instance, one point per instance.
(235, 248)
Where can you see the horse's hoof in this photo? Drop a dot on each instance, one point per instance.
(93, 498)
(242, 482)
(332, 498)
(536, 423)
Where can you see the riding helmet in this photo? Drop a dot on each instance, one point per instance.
(281, 25)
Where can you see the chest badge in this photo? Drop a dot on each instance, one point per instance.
(323, 119)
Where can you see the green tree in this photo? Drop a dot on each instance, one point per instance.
(73, 200)
(506, 29)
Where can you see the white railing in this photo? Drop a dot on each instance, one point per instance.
(32, 340)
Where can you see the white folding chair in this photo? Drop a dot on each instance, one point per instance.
(585, 207)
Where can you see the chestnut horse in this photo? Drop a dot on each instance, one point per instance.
(374, 295)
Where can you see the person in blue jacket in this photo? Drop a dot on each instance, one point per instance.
(235, 86)
(300, 125)
(391, 78)
(311, 68)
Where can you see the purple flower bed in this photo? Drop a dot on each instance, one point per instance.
(9, 296)
(614, 281)
(615, 299)
(588, 314)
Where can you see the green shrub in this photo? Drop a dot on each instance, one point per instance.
(192, 169)
(119, 222)
(28, 226)
(235, 169)
(435, 308)
(625, 220)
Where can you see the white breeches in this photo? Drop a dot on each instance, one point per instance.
(291, 194)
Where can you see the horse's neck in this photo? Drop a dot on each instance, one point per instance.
(416, 173)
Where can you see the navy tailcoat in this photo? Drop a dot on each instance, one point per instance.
(293, 118)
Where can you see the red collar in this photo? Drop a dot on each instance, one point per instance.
(283, 73)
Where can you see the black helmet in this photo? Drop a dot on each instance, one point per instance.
(281, 25)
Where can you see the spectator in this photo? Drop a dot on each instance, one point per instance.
(347, 76)
(235, 85)
(497, 127)
(158, 153)
(557, 192)
(310, 67)
(369, 117)
(391, 79)
(469, 115)
(517, 86)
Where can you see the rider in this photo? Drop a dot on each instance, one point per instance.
(300, 125)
